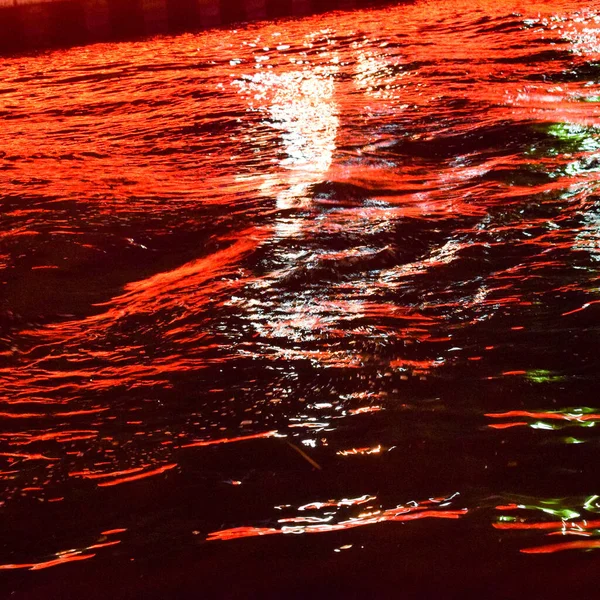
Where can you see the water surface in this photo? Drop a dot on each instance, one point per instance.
(304, 307)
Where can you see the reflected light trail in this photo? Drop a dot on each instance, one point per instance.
(368, 516)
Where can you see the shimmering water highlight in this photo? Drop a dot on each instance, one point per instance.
(334, 275)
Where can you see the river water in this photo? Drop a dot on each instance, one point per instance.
(304, 307)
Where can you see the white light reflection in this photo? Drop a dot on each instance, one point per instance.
(588, 237)
(581, 30)
(347, 513)
(300, 105)
(377, 73)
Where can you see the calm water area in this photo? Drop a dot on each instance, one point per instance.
(305, 308)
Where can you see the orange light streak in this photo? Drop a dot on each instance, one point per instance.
(545, 415)
(507, 425)
(365, 409)
(49, 563)
(392, 515)
(576, 545)
(103, 545)
(136, 477)
(586, 305)
(113, 531)
(582, 525)
(93, 475)
(241, 438)
(27, 456)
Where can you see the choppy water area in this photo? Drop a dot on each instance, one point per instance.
(302, 307)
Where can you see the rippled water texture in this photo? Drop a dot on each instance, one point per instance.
(329, 285)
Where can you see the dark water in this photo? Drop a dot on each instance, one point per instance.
(328, 285)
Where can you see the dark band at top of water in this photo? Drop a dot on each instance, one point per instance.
(303, 277)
